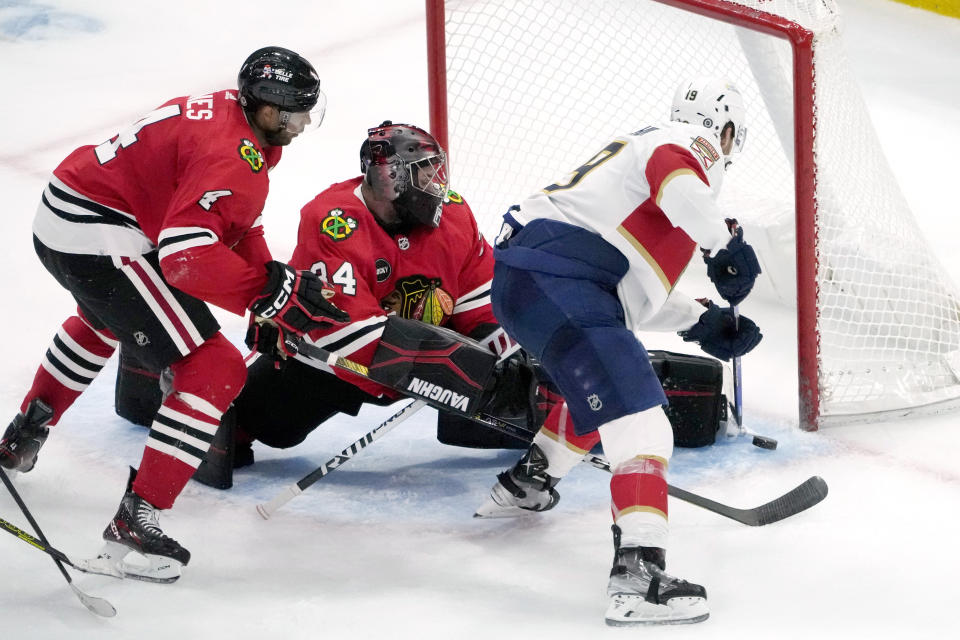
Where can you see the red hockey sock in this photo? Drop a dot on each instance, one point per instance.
(559, 426)
(639, 485)
(205, 383)
(73, 360)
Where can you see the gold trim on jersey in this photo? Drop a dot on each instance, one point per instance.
(647, 257)
(670, 176)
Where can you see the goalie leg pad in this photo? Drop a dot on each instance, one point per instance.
(441, 366)
(695, 388)
(137, 394)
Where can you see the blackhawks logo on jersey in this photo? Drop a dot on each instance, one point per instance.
(454, 197)
(338, 226)
(249, 152)
(419, 298)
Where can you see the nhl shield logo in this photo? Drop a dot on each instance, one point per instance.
(594, 401)
(141, 338)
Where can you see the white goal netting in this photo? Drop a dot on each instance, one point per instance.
(534, 86)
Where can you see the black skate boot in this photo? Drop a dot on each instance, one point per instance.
(641, 593)
(524, 488)
(23, 438)
(135, 529)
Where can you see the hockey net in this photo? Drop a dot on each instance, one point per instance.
(520, 89)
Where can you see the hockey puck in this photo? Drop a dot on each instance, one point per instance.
(764, 442)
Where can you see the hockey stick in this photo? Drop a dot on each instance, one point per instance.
(800, 498)
(13, 529)
(737, 377)
(334, 359)
(805, 495)
(267, 509)
(96, 605)
(764, 442)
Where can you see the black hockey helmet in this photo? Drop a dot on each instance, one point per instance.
(406, 165)
(279, 77)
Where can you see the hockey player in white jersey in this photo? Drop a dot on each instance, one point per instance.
(580, 266)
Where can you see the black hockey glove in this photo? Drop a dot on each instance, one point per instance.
(734, 269)
(265, 337)
(721, 335)
(296, 301)
(511, 394)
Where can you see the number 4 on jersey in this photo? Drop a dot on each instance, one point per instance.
(107, 151)
(209, 197)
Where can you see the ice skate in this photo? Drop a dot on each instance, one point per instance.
(523, 489)
(23, 438)
(642, 594)
(135, 530)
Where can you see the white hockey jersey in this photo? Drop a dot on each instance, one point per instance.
(651, 194)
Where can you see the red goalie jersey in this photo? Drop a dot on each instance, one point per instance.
(188, 178)
(440, 276)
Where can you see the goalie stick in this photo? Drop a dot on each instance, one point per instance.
(267, 509)
(800, 498)
(333, 359)
(99, 606)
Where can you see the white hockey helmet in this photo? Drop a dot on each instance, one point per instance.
(711, 103)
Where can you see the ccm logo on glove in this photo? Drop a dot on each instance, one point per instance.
(282, 295)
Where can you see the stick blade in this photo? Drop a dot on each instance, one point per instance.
(94, 604)
(805, 495)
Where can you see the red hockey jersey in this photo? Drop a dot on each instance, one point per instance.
(189, 178)
(441, 276)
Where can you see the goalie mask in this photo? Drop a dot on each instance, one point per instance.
(405, 165)
(712, 103)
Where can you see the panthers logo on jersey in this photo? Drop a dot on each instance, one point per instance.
(704, 151)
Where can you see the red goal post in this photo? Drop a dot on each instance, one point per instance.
(516, 86)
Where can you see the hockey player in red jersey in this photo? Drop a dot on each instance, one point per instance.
(393, 241)
(582, 265)
(144, 230)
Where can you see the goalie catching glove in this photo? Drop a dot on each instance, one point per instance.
(296, 302)
(722, 335)
(734, 269)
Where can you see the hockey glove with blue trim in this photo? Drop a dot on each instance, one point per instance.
(721, 335)
(733, 270)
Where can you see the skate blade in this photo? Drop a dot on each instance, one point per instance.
(628, 610)
(111, 561)
(491, 509)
